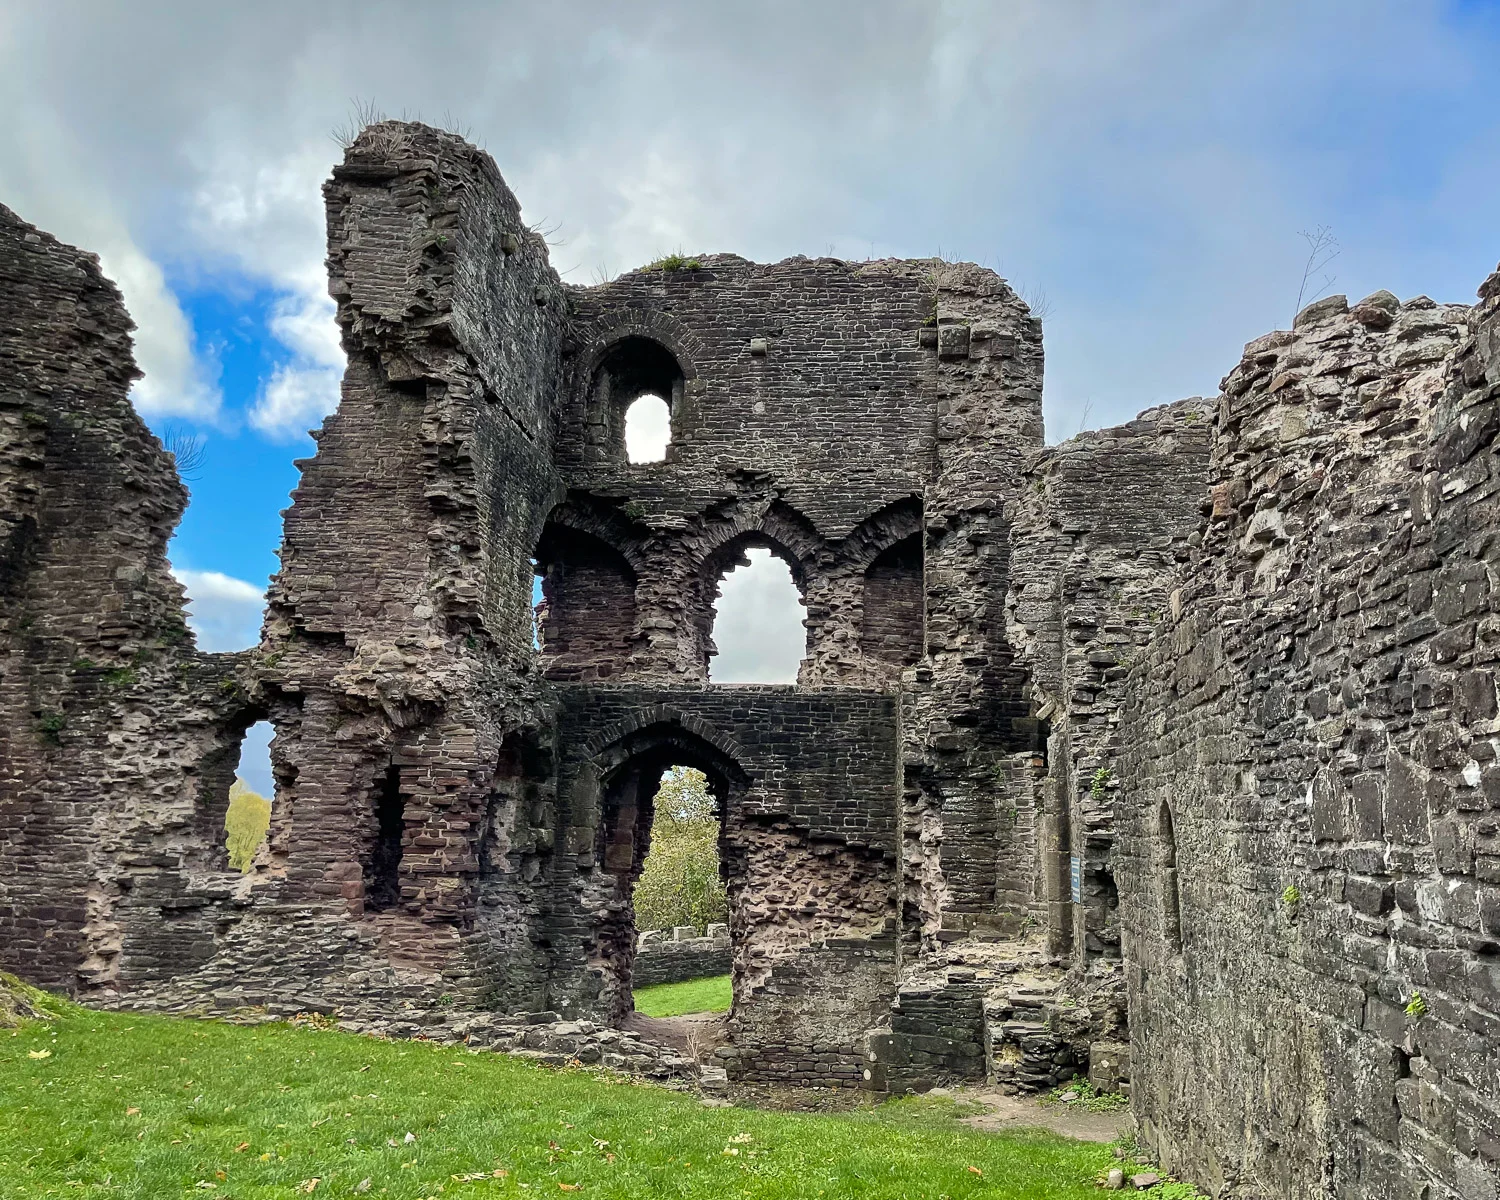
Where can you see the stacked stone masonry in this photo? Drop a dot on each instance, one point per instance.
(461, 813)
(664, 959)
(1166, 755)
(1308, 865)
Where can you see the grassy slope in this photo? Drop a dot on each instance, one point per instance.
(261, 1111)
(693, 996)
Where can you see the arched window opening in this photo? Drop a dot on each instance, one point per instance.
(636, 374)
(1171, 898)
(759, 632)
(383, 867)
(892, 627)
(248, 817)
(586, 614)
(648, 429)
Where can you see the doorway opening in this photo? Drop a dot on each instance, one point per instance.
(247, 819)
(666, 869)
(682, 962)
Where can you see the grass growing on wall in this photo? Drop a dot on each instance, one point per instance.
(143, 1108)
(710, 995)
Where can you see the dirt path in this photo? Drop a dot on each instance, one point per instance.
(1023, 1112)
(698, 1033)
(693, 1033)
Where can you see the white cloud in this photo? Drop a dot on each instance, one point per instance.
(1147, 166)
(267, 219)
(758, 626)
(295, 400)
(224, 612)
(56, 191)
(304, 323)
(174, 379)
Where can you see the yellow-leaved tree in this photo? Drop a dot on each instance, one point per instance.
(246, 822)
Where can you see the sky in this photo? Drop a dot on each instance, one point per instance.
(1140, 171)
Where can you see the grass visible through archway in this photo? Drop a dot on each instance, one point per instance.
(711, 995)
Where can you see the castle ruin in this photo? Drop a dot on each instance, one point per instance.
(1167, 755)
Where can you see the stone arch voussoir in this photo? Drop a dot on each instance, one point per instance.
(614, 327)
(581, 517)
(615, 738)
(881, 530)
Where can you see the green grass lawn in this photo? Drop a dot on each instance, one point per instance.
(694, 996)
(109, 1104)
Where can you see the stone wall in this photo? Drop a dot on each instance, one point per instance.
(938, 1035)
(661, 960)
(806, 784)
(118, 740)
(411, 739)
(813, 1014)
(1236, 658)
(971, 746)
(1103, 524)
(1306, 831)
(459, 819)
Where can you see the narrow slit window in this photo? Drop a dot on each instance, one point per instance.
(1171, 888)
(383, 877)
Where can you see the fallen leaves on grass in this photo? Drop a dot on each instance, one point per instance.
(38, 1054)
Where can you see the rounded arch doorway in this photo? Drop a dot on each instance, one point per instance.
(635, 773)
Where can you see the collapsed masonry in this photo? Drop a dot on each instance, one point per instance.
(1191, 721)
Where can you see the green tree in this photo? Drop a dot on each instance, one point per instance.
(245, 821)
(680, 884)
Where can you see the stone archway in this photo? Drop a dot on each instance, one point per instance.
(629, 771)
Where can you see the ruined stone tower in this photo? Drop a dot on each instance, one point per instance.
(1165, 754)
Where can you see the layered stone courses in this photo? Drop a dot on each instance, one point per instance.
(460, 816)
(1314, 723)
(1193, 719)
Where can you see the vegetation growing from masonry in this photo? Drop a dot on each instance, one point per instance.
(20, 1001)
(135, 1107)
(50, 726)
(676, 261)
(245, 822)
(710, 995)
(1101, 780)
(1080, 1093)
(680, 884)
